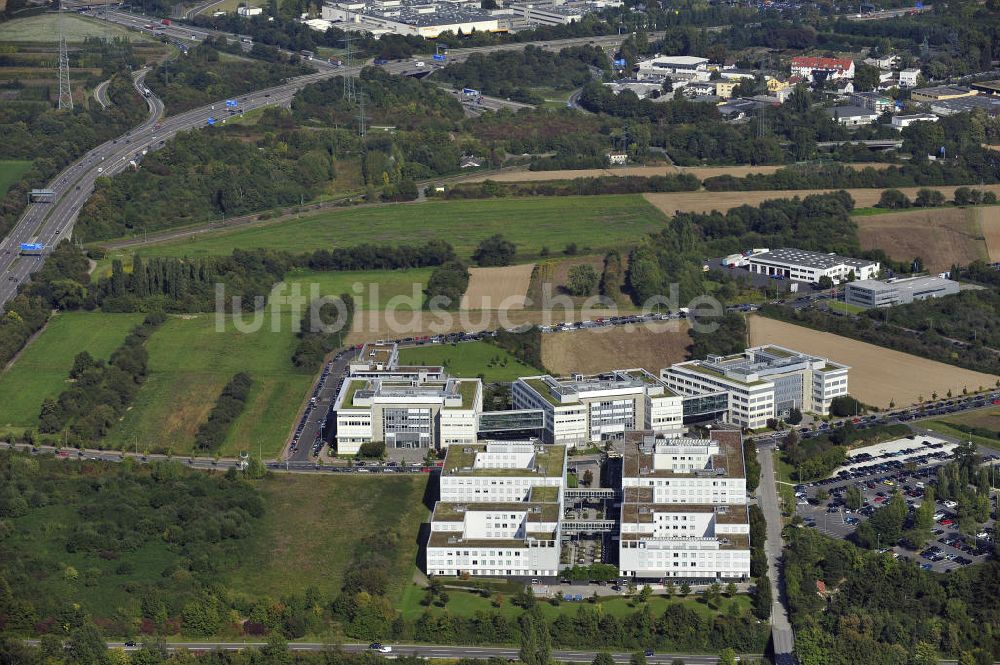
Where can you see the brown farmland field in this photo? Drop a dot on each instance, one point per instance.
(489, 288)
(670, 203)
(989, 225)
(878, 375)
(942, 237)
(619, 347)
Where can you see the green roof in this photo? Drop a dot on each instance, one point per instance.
(548, 462)
(467, 389)
(353, 387)
(544, 493)
(719, 375)
(537, 511)
(542, 388)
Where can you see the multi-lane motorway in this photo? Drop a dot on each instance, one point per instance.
(48, 223)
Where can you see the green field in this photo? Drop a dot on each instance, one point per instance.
(11, 171)
(597, 222)
(190, 362)
(372, 289)
(313, 524)
(463, 603)
(469, 359)
(845, 307)
(44, 28)
(988, 418)
(42, 369)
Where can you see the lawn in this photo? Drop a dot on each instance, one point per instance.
(43, 367)
(988, 418)
(465, 604)
(469, 359)
(313, 525)
(190, 361)
(11, 171)
(845, 307)
(44, 28)
(598, 222)
(372, 289)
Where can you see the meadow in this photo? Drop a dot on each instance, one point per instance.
(313, 525)
(190, 362)
(598, 222)
(469, 359)
(42, 368)
(372, 289)
(11, 171)
(44, 28)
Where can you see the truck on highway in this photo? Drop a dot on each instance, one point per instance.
(166, 21)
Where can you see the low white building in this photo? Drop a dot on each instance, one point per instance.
(511, 527)
(405, 17)
(763, 382)
(908, 78)
(871, 293)
(249, 11)
(901, 121)
(853, 116)
(684, 512)
(804, 266)
(662, 66)
(582, 410)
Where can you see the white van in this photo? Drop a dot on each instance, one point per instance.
(420, 63)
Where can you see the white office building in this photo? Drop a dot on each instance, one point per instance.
(763, 382)
(404, 406)
(582, 410)
(804, 266)
(684, 512)
(662, 66)
(500, 510)
(872, 293)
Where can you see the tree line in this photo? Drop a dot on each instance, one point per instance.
(227, 409)
(102, 391)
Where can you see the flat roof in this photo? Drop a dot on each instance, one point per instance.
(643, 512)
(638, 459)
(907, 283)
(455, 539)
(548, 462)
(537, 511)
(804, 257)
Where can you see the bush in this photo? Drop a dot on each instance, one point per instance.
(227, 408)
(495, 251)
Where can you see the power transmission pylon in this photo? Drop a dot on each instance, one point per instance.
(361, 114)
(350, 79)
(65, 93)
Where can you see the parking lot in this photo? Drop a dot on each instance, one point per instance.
(908, 465)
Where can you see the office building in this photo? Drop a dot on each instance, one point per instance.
(804, 266)
(872, 293)
(583, 410)
(662, 66)
(872, 101)
(500, 510)
(763, 382)
(403, 406)
(684, 512)
(908, 78)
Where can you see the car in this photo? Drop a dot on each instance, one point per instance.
(130, 644)
(649, 652)
(385, 649)
(375, 646)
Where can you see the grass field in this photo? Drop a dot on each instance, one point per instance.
(372, 289)
(942, 237)
(11, 171)
(44, 28)
(878, 375)
(618, 347)
(469, 359)
(464, 603)
(988, 418)
(531, 223)
(313, 525)
(42, 369)
(845, 307)
(190, 362)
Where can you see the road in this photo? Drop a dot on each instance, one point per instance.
(101, 94)
(767, 494)
(48, 223)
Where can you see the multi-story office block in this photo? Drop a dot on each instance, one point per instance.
(582, 410)
(500, 510)
(684, 512)
(763, 382)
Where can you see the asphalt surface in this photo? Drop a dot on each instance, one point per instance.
(101, 94)
(767, 495)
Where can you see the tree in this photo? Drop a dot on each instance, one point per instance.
(822, 494)
(924, 654)
(637, 658)
(928, 198)
(893, 199)
(685, 589)
(588, 478)
(825, 282)
(583, 280)
(495, 251)
(603, 658)
(866, 77)
(727, 657)
(845, 405)
(761, 598)
(853, 498)
(794, 416)
(645, 593)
